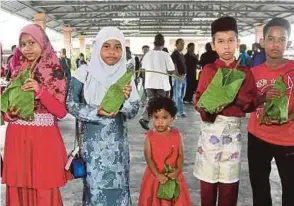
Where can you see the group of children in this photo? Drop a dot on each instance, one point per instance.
(35, 155)
(218, 157)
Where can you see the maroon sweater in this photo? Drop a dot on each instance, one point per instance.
(245, 101)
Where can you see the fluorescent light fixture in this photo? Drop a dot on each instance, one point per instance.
(188, 30)
(155, 31)
(203, 19)
(130, 30)
(125, 19)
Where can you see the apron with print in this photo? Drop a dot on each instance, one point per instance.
(218, 151)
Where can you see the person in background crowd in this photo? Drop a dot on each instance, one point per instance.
(156, 85)
(249, 60)
(258, 55)
(208, 57)
(81, 60)
(179, 85)
(141, 75)
(12, 53)
(8, 73)
(165, 49)
(66, 65)
(145, 50)
(170, 78)
(243, 57)
(129, 53)
(191, 64)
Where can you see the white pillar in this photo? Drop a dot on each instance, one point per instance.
(258, 33)
(40, 19)
(67, 40)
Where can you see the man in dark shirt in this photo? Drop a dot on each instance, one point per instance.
(81, 60)
(8, 74)
(66, 65)
(258, 55)
(191, 62)
(208, 57)
(179, 85)
(12, 53)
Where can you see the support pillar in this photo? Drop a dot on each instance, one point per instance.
(67, 40)
(82, 44)
(258, 33)
(40, 19)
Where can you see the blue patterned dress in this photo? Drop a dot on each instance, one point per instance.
(105, 150)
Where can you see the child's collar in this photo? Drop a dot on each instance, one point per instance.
(221, 64)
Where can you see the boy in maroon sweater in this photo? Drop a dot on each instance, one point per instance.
(217, 163)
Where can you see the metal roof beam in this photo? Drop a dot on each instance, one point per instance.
(168, 10)
(151, 25)
(145, 26)
(154, 29)
(153, 2)
(154, 17)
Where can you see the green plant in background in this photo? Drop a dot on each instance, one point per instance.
(14, 96)
(277, 109)
(222, 90)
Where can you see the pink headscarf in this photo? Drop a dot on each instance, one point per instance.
(48, 71)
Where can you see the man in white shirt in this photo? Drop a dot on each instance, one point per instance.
(156, 85)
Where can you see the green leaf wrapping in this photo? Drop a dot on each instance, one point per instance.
(177, 190)
(277, 109)
(222, 90)
(166, 191)
(23, 100)
(114, 97)
(171, 189)
(1, 120)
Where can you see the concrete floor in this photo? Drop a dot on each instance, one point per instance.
(189, 128)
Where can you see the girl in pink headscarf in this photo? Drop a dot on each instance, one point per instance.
(35, 154)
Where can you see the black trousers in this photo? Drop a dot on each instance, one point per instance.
(191, 88)
(171, 87)
(260, 155)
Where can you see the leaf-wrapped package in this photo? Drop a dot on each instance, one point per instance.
(1, 120)
(171, 189)
(23, 100)
(277, 109)
(114, 97)
(222, 90)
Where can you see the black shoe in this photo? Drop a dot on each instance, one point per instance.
(144, 124)
(183, 115)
